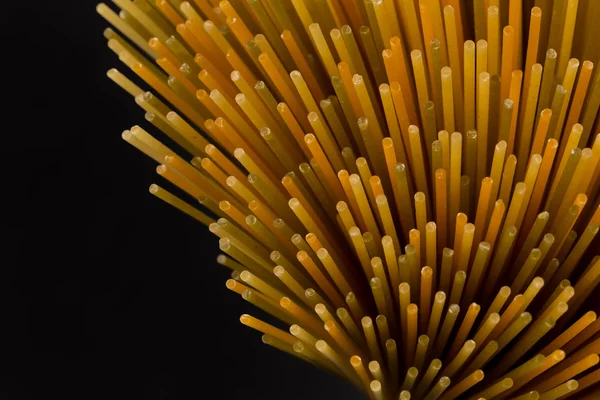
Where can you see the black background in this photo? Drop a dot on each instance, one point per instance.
(105, 291)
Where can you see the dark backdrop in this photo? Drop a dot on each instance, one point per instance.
(105, 291)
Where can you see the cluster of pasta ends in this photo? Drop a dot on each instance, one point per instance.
(410, 188)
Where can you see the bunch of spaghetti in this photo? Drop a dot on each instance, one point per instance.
(410, 187)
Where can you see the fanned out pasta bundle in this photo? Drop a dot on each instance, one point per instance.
(411, 187)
